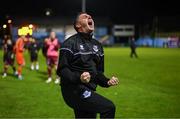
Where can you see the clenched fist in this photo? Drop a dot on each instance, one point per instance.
(113, 81)
(85, 77)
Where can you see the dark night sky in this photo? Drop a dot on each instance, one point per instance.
(116, 10)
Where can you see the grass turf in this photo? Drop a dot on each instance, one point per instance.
(149, 87)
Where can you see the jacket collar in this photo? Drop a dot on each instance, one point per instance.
(87, 36)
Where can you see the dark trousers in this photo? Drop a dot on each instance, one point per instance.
(133, 52)
(34, 57)
(90, 106)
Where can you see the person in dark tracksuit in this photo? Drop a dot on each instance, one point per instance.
(33, 50)
(81, 67)
(8, 56)
(133, 48)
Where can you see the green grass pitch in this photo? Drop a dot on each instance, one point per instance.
(149, 87)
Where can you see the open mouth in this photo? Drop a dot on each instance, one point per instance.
(90, 23)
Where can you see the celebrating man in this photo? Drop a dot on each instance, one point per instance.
(81, 67)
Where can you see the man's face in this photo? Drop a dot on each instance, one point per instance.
(85, 23)
(52, 35)
(24, 38)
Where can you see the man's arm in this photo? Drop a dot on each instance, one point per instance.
(100, 78)
(64, 70)
(57, 46)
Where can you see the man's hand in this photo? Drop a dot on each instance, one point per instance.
(85, 77)
(113, 81)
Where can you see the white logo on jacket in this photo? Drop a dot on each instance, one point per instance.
(95, 48)
(81, 47)
(87, 94)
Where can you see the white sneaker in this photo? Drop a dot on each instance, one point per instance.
(15, 73)
(37, 67)
(57, 81)
(4, 75)
(20, 77)
(32, 67)
(49, 80)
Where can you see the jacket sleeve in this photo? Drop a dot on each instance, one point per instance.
(100, 78)
(64, 69)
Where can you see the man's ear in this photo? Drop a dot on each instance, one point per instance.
(78, 25)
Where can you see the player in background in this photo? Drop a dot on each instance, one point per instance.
(19, 49)
(33, 50)
(133, 48)
(52, 46)
(8, 56)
